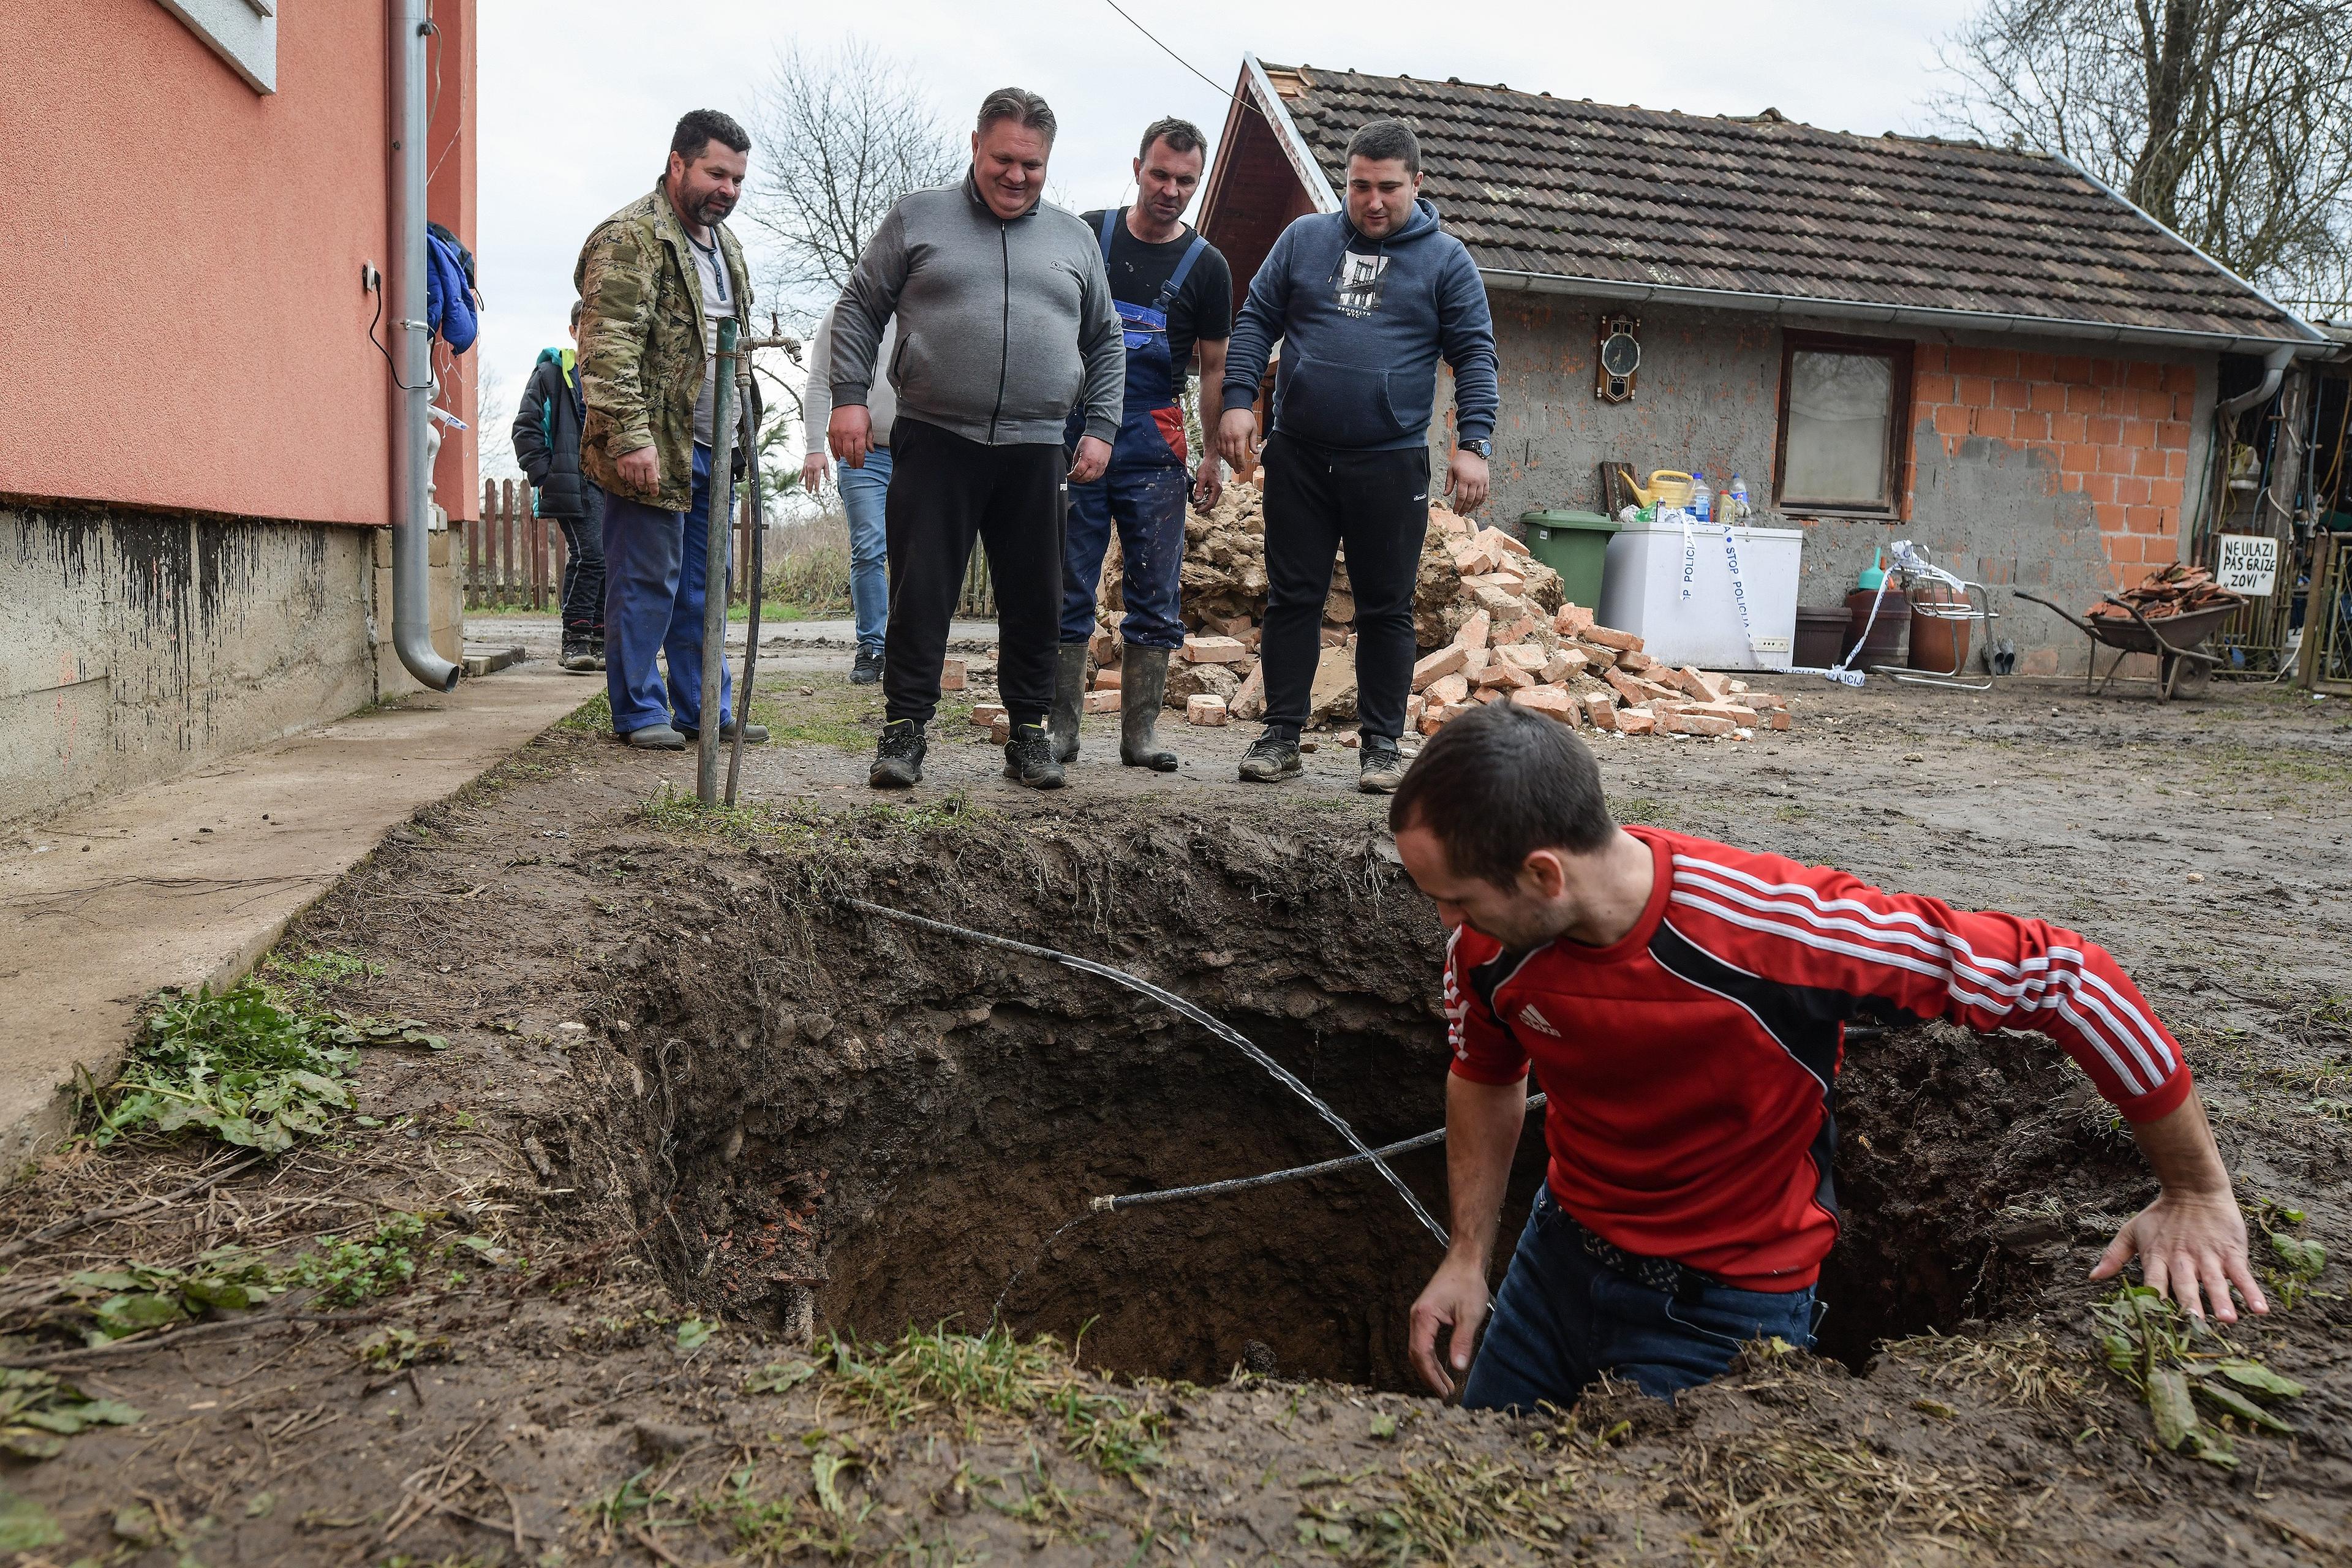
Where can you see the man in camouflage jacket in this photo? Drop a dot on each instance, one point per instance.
(655, 281)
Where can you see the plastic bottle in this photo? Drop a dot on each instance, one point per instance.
(1702, 498)
(1873, 576)
(1738, 494)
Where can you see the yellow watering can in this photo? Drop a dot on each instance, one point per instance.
(1667, 487)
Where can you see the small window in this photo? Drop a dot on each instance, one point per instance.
(242, 31)
(1845, 412)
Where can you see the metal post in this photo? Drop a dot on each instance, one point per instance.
(718, 516)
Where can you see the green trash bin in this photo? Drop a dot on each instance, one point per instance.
(1576, 545)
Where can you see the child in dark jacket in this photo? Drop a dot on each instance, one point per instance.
(547, 445)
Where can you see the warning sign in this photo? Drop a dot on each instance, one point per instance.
(2249, 564)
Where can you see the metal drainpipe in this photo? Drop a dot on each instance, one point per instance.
(412, 355)
(2274, 365)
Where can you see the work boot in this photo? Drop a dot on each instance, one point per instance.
(1069, 696)
(596, 651)
(655, 738)
(1271, 757)
(754, 735)
(1143, 686)
(1029, 757)
(898, 759)
(867, 667)
(580, 656)
(1380, 768)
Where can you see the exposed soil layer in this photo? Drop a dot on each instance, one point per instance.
(688, 1094)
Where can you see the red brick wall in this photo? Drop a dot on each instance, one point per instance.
(2116, 430)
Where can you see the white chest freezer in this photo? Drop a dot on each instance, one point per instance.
(1642, 592)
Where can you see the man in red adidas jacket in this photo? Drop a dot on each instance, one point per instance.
(1684, 1004)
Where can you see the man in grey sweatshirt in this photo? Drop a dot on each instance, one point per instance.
(1005, 324)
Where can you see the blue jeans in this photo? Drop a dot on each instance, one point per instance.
(1561, 1320)
(864, 492)
(1147, 506)
(654, 565)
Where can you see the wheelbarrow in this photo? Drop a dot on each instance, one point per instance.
(2183, 665)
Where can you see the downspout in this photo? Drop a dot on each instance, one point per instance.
(2274, 365)
(412, 355)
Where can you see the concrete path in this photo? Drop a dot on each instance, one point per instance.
(188, 882)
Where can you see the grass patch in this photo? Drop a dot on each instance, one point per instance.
(674, 810)
(1781, 1499)
(2027, 1371)
(348, 1271)
(253, 1067)
(963, 1377)
(1643, 808)
(320, 970)
(592, 717)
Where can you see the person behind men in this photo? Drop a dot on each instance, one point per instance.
(1685, 1003)
(547, 444)
(865, 489)
(1174, 290)
(655, 281)
(1364, 302)
(1005, 323)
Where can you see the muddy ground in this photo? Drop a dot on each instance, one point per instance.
(705, 1142)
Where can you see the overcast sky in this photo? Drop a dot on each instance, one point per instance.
(578, 97)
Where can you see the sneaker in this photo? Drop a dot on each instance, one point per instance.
(1029, 757)
(580, 656)
(754, 735)
(898, 759)
(867, 669)
(1270, 758)
(655, 738)
(1380, 768)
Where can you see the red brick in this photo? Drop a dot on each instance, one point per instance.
(2114, 460)
(2133, 493)
(2144, 375)
(2139, 432)
(2073, 368)
(2158, 406)
(2000, 362)
(2012, 395)
(2176, 463)
(2069, 427)
(1976, 391)
(2082, 400)
(2142, 519)
(1994, 423)
(1926, 388)
(2079, 458)
(2172, 433)
(2159, 552)
(2070, 483)
(2031, 427)
(1951, 419)
(2122, 549)
(2165, 493)
(2181, 378)
(2107, 429)
(2148, 463)
(2107, 373)
(2048, 396)
(2037, 367)
(2100, 487)
(1969, 360)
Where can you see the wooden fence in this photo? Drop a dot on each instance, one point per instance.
(514, 560)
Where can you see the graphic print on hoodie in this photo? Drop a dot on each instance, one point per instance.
(1359, 282)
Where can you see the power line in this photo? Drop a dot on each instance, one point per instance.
(1187, 65)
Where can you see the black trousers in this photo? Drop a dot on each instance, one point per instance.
(1377, 504)
(945, 491)
(583, 566)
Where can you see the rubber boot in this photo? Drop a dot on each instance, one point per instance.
(1069, 696)
(1142, 688)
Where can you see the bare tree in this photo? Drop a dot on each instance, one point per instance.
(2228, 121)
(842, 134)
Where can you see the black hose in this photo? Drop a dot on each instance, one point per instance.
(1224, 1031)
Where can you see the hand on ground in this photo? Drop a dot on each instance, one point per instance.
(1454, 1298)
(2190, 1246)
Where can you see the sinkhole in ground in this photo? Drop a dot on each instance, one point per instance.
(920, 1121)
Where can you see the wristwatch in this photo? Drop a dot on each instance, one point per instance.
(1483, 449)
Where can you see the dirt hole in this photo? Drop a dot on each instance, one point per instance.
(896, 1128)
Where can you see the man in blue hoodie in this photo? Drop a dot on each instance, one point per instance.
(1364, 302)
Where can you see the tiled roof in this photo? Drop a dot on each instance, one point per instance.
(1538, 185)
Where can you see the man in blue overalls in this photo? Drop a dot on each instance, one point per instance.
(1174, 294)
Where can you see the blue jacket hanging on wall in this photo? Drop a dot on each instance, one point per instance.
(449, 303)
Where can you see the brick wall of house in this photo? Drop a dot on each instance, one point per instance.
(2117, 431)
